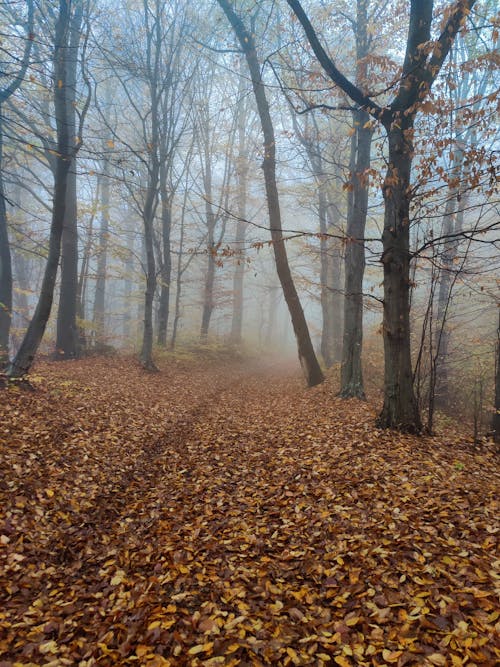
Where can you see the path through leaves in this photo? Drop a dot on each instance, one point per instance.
(223, 515)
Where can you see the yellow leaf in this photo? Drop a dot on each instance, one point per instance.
(48, 647)
(49, 492)
(391, 656)
(118, 578)
(154, 624)
(437, 659)
(110, 143)
(343, 662)
(199, 648)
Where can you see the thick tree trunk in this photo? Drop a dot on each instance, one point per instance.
(400, 408)
(67, 333)
(31, 342)
(5, 267)
(351, 372)
(307, 356)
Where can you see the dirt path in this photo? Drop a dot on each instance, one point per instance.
(227, 516)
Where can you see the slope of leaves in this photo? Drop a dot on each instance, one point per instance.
(228, 516)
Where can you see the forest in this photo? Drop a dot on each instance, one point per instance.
(249, 332)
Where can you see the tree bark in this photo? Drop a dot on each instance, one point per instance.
(67, 332)
(30, 344)
(166, 268)
(307, 356)
(496, 414)
(241, 225)
(400, 408)
(351, 376)
(5, 266)
(102, 260)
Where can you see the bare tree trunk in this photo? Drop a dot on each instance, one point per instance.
(67, 333)
(307, 356)
(147, 339)
(452, 223)
(5, 266)
(241, 225)
(326, 279)
(102, 260)
(29, 347)
(166, 268)
(400, 408)
(351, 376)
(496, 414)
(208, 288)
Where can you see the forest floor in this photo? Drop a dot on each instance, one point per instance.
(219, 514)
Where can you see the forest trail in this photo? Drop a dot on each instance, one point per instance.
(219, 514)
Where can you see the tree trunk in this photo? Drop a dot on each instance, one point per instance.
(147, 338)
(496, 414)
(5, 266)
(307, 356)
(31, 342)
(67, 333)
(400, 408)
(452, 222)
(351, 376)
(241, 225)
(326, 280)
(166, 268)
(102, 259)
(208, 290)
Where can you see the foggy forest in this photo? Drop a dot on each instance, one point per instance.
(249, 332)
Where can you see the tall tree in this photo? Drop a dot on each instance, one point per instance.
(351, 376)
(307, 356)
(6, 92)
(64, 155)
(67, 332)
(423, 60)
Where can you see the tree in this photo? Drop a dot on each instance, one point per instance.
(5, 255)
(423, 60)
(307, 356)
(351, 376)
(64, 155)
(67, 332)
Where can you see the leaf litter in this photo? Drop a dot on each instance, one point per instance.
(216, 514)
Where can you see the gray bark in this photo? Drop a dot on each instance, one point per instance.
(67, 333)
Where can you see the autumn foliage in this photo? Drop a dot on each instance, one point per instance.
(224, 515)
